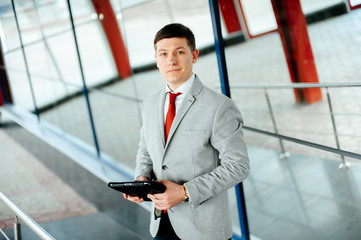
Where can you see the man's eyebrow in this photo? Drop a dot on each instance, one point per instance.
(164, 49)
(180, 48)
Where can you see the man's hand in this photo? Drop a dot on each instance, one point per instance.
(136, 199)
(170, 198)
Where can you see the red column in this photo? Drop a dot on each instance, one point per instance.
(1, 98)
(230, 16)
(292, 28)
(358, 5)
(114, 36)
(4, 85)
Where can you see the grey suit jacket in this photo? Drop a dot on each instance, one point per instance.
(205, 151)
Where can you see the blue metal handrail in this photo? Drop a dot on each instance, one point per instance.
(295, 85)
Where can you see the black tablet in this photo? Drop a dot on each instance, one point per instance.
(138, 188)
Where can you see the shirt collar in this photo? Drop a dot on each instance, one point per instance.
(184, 88)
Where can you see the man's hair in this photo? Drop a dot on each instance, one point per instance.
(176, 30)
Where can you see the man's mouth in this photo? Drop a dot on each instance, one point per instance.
(173, 70)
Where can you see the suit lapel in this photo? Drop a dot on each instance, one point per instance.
(186, 104)
(183, 109)
(161, 117)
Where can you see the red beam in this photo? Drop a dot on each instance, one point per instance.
(114, 36)
(230, 16)
(292, 28)
(5, 93)
(1, 98)
(353, 7)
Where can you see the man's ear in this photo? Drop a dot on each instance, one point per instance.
(156, 60)
(195, 54)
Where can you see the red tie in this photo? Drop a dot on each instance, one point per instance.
(170, 113)
(170, 117)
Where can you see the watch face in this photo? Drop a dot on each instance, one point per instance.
(185, 198)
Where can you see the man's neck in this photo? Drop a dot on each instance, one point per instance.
(174, 87)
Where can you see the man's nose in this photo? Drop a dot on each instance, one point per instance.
(172, 59)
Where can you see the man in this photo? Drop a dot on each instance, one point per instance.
(197, 155)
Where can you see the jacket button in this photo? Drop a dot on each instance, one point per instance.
(164, 167)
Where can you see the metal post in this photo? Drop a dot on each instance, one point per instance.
(284, 154)
(241, 203)
(219, 47)
(17, 229)
(344, 164)
(25, 61)
(85, 89)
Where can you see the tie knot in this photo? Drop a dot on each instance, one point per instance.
(172, 96)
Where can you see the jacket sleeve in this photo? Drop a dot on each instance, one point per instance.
(228, 141)
(144, 165)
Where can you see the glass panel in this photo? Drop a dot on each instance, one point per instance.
(53, 16)
(18, 80)
(117, 121)
(233, 207)
(355, 2)
(8, 31)
(50, 89)
(70, 114)
(309, 122)
(135, 19)
(309, 6)
(346, 104)
(259, 16)
(195, 15)
(97, 60)
(41, 69)
(82, 11)
(28, 21)
(62, 48)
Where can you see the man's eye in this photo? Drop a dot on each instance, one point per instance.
(180, 52)
(162, 54)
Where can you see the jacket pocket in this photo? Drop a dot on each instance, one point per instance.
(210, 215)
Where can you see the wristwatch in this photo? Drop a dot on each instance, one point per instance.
(185, 197)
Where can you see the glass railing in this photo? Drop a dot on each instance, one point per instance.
(330, 125)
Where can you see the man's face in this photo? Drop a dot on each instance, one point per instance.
(175, 60)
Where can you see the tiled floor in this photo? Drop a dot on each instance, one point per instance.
(302, 197)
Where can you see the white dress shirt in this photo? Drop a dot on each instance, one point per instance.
(184, 88)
